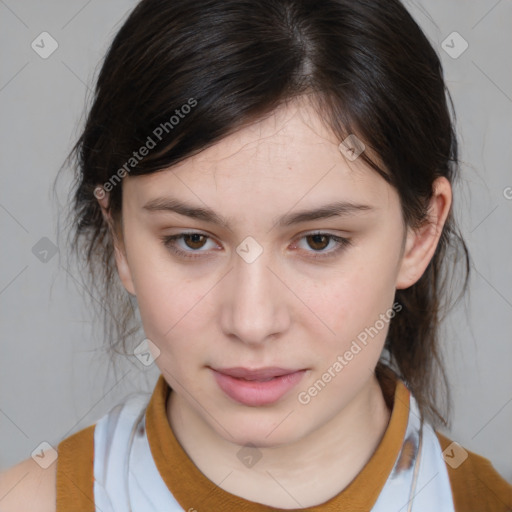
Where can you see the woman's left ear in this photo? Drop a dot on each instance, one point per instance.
(421, 243)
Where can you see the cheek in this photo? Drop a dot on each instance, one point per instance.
(169, 299)
(172, 316)
(169, 307)
(351, 303)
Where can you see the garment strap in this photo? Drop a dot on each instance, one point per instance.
(126, 477)
(419, 479)
(75, 472)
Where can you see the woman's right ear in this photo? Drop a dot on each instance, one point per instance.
(103, 199)
(123, 268)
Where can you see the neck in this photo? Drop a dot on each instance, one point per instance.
(311, 470)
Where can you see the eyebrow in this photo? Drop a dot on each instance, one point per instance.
(335, 209)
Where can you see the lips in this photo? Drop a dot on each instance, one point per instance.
(260, 374)
(257, 387)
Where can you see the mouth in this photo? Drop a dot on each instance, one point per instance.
(257, 387)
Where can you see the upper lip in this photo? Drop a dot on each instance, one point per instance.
(257, 373)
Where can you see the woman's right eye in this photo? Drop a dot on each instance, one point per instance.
(193, 240)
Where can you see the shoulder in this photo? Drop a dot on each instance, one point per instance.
(65, 484)
(476, 485)
(27, 486)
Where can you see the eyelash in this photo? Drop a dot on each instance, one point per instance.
(169, 243)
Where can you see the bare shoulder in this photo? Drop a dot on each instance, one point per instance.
(27, 486)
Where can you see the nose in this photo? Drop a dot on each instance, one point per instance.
(255, 301)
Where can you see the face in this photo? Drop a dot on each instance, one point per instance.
(271, 288)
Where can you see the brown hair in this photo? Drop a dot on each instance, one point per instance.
(371, 72)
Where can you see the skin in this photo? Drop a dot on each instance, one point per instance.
(285, 309)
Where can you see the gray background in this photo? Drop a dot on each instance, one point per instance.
(54, 379)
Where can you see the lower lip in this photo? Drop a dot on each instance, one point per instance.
(255, 393)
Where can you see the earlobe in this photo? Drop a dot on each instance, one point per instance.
(421, 243)
(122, 265)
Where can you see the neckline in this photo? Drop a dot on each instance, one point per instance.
(193, 490)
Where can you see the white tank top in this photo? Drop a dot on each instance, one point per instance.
(126, 478)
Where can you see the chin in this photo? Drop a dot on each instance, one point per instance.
(266, 432)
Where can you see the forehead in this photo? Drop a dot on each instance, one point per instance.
(289, 157)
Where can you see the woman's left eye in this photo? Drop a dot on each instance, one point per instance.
(319, 241)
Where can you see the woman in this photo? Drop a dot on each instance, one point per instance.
(272, 183)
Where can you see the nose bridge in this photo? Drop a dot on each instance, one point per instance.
(256, 305)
